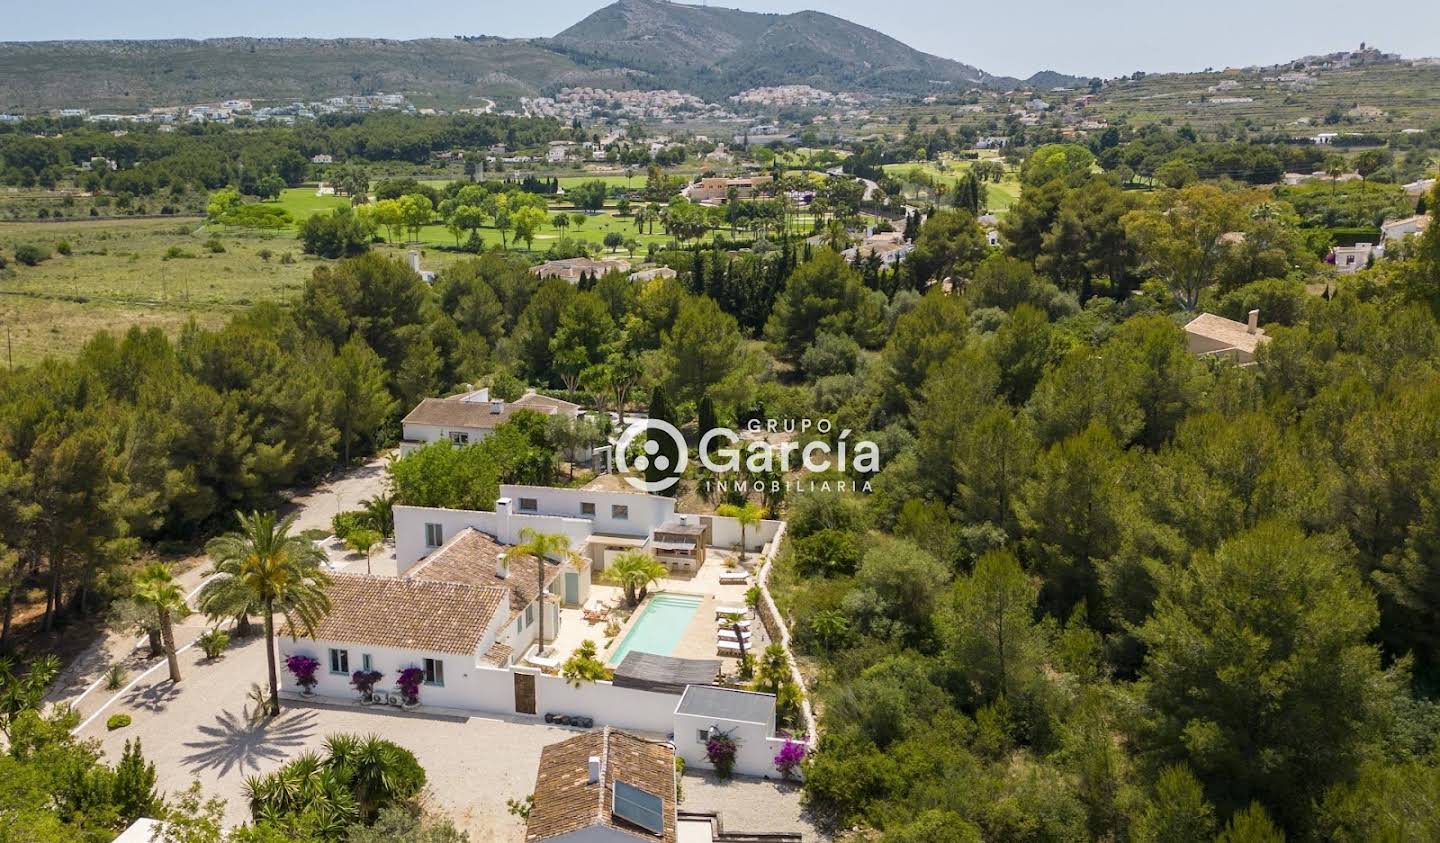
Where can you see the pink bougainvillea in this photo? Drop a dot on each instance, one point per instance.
(789, 758)
(303, 668)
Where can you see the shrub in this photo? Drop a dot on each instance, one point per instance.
(789, 758)
(265, 255)
(175, 253)
(115, 677)
(303, 668)
(344, 523)
(409, 681)
(214, 246)
(117, 721)
(720, 750)
(63, 247)
(364, 681)
(214, 642)
(30, 254)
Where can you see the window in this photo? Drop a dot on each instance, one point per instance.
(434, 535)
(702, 735)
(434, 672)
(340, 661)
(619, 512)
(530, 614)
(528, 505)
(365, 663)
(459, 437)
(587, 508)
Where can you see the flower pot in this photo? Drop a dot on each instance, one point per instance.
(307, 692)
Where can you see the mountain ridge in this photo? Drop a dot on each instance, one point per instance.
(710, 51)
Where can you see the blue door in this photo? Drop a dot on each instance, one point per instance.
(572, 588)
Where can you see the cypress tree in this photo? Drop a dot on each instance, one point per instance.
(660, 410)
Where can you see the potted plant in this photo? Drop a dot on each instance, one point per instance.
(409, 683)
(364, 682)
(720, 750)
(303, 668)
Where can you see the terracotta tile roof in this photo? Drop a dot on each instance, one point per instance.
(457, 412)
(470, 558)
(411, 614)
(498, 654)
(566, 801)
(1233, 334)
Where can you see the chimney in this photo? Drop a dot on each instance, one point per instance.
(1253, 322)
(594, 777)
(497, 407)
(502, 566)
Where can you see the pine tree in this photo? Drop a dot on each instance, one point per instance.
(134, 789)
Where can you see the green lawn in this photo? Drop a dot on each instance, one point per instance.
(1000, 196)
(302, 203)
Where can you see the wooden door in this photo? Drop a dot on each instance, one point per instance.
(524, 692)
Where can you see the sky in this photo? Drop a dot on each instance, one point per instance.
(1099, 38)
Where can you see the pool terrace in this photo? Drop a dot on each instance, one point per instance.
(695, 641)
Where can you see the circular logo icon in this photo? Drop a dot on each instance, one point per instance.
(653, 469)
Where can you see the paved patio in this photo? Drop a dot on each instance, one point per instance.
(200, 730)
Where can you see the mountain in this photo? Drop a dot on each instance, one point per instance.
(717, 52)
(708, 51)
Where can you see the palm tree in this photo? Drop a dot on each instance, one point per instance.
(378, 772)
(542, 546)
(748, 515)
(278, 572)
(156, 587)
(380, 514)
(634, 571)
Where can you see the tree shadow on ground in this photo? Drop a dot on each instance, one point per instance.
(235, 743)
(154, 698)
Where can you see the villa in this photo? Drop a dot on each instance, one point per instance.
(465, 610)
(573, 269)
(1212, 335)
(471, 416)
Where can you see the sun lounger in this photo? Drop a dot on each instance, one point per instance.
(727, 634)
(729, 648)
(727, 623)
(731, 609)
(736, 577)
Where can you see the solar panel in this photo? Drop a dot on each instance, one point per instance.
(636, 806)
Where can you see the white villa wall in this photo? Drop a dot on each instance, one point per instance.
(646, 512)
(464, 681)
(623, 708)
(755, 749)
(410, 524)
(482, 688)
(416, 436)
(725, 532)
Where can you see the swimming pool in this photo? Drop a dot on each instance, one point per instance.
(659, 627)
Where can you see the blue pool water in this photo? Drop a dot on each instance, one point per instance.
(659, 627)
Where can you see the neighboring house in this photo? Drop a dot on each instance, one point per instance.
(469, 417)
(1396, 230)
(1348, 259)
(652, 274)
(605, 786)
(748, 717)
(572, 269)
(1208, 334)
(718, 189)
(1420, 188)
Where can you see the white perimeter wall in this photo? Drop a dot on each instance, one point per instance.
(725, 532)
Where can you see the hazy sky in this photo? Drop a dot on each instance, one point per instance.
(1104, 38)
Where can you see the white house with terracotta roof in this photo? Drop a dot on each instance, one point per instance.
(1212, 335)
(469, 417)
(1394, 231)
(606, 786)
